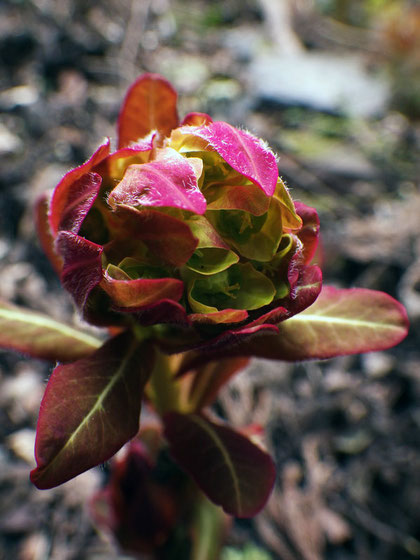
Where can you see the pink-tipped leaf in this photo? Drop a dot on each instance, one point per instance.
(244, 152)
(170, 181)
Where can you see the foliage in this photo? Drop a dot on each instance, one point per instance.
(186, 245)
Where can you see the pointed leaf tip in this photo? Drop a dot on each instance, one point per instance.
(150, 104)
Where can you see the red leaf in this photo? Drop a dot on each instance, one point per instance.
(139, 292)
(243, 152)
(228, 467)
(163, 311)
(82, 269)
(63, 192)
(90, 409)
(170, 181)
(224, 316)
(150, 104)
(79, 201)
(209, 379)
(196, 119)
(309, 233)
(44, 232)
(168, 238)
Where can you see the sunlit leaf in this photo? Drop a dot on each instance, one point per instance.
(150, 104)
(170, 181)
(225, 316)
(248, 198)
(231, 470)
(41, 336)
(342, 322)
(290, 217)
(244, 152)
(90, 409)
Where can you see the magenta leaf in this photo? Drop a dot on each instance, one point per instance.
(63, 192)
(232, 471)
(41, 336)
(150, 104)
(170, 181)
(90, 409)
(82, 269)
(243, 152)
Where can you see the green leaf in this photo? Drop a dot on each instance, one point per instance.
(231, 470)
(90, 409)
(238, 287)
(41, 336)
(254, 237)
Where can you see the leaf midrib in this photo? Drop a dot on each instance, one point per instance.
(28, 318)
(98, 404)
(219, 444)
(307, 318)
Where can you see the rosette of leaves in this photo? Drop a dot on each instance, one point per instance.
(183, 241)
(185, 224)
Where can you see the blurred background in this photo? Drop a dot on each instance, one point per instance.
(334, 87)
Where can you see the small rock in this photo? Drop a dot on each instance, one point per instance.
(334, 83)
(9, 142)
(19, 96)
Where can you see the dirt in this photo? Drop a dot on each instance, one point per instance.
(345, 433)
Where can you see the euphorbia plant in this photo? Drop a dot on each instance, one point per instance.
(186, 246)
